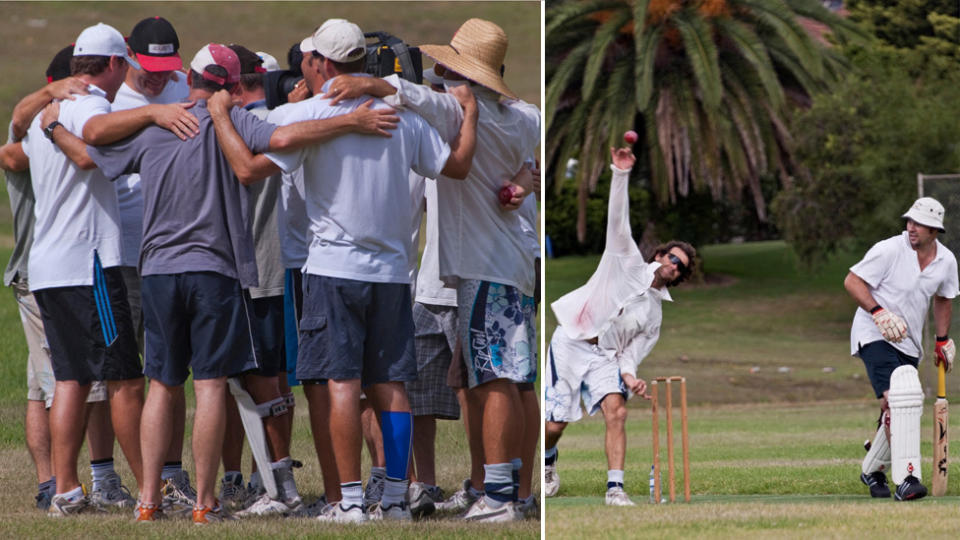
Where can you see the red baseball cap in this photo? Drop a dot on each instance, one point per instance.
(155, 44)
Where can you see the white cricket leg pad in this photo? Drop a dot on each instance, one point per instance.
(906, 405)
(878, 457)
(289, 400)
(274, 407)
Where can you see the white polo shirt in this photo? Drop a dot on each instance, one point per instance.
(892, 272)
(292, 222)
(76, 210)
(358, 194)
(479, 239)
(129, 198)
(430, 290)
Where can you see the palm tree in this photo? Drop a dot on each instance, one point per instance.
(708, 81)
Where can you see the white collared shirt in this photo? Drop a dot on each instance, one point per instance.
(477, 238)
(617, 305)
(892, 271)
(358, 192)
(430, 290)
(76, 210)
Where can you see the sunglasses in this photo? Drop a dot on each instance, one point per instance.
(677, 262)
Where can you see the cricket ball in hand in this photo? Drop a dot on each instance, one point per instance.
(630, 137)
(506, 193)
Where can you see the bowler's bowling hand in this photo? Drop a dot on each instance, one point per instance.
(623, 158)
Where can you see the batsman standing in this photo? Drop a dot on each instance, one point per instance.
(892, 285)
(606, 328)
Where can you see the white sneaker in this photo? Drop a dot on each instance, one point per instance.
(423, 499)
(616, 496)
(111, 492)
(336, 513)
(265, 506)
(394, 512)
(551, 481)
(461, 500)
(313, 509)
(481, 511)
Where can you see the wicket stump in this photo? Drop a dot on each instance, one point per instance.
(656, 438)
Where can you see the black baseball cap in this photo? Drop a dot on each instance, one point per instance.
(59, 67)
(155, 44)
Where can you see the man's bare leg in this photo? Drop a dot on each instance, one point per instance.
(472, 412)
(501, 421)
(208, 436)
(37, 431)
(174, 452)
(318, 405)
(531, 436)
(615, 416)
(126, 404)
(67, 425)
(232, 436)
(346, 435)
(156, 431)
(424, 454)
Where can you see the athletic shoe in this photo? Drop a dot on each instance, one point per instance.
(111, 492)
(529, 508)
(423, 499)
(336, 513)
(311, 510)
(43, 499)
(178, 496)
(61, 507)
(461, 500)
(394, 512)
(203, 515)
(265, 506)
(877, 482)
(551, 481)
(373, 492)
(616, 496)
(910, 489)
(147, 512)
(482, 512)
(233, 495)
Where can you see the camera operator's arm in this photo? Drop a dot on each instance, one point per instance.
(32, 104)
(463, 146)
(250, 167)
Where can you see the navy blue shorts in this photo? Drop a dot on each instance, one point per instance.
(356, 330)
(89, 331)
(292, 310)
(268, 335)
(881, 358)
(195, 321)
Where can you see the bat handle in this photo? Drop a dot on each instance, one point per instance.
(941, 381)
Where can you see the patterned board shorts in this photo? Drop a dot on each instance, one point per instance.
(497, 328)
(577, 371)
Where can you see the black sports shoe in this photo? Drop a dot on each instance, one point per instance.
(877, 482)
(910, 489)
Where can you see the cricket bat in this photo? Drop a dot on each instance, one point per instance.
(253, 425)
(940, 454)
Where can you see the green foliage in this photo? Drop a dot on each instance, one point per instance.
(863, 145)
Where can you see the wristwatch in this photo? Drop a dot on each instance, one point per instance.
(48, 131)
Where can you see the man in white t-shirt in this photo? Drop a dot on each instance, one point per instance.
(893, 285)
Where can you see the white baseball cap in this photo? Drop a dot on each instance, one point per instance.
(102, 40)
(928, 212)
(431, 77)
(269, 62)
(337, 39)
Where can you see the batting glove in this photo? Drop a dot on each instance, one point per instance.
(891, 326)
(945, 352)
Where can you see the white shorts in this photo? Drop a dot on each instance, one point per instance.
(577, 370)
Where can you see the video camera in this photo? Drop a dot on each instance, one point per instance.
(385, 56)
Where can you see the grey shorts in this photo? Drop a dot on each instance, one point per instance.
(435, 339)
(354, 329)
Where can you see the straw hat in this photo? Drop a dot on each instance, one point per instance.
(476, 52)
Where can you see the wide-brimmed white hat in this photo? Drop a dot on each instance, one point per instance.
(928, 212)
(102, 40)
(476, 51)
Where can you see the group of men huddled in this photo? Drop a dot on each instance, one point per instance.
(167, 212)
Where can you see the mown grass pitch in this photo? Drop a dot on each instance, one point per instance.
(757, 471)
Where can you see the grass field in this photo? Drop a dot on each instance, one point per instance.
(779, 411)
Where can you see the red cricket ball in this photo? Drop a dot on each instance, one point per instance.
(506, 193)
(630, 137)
